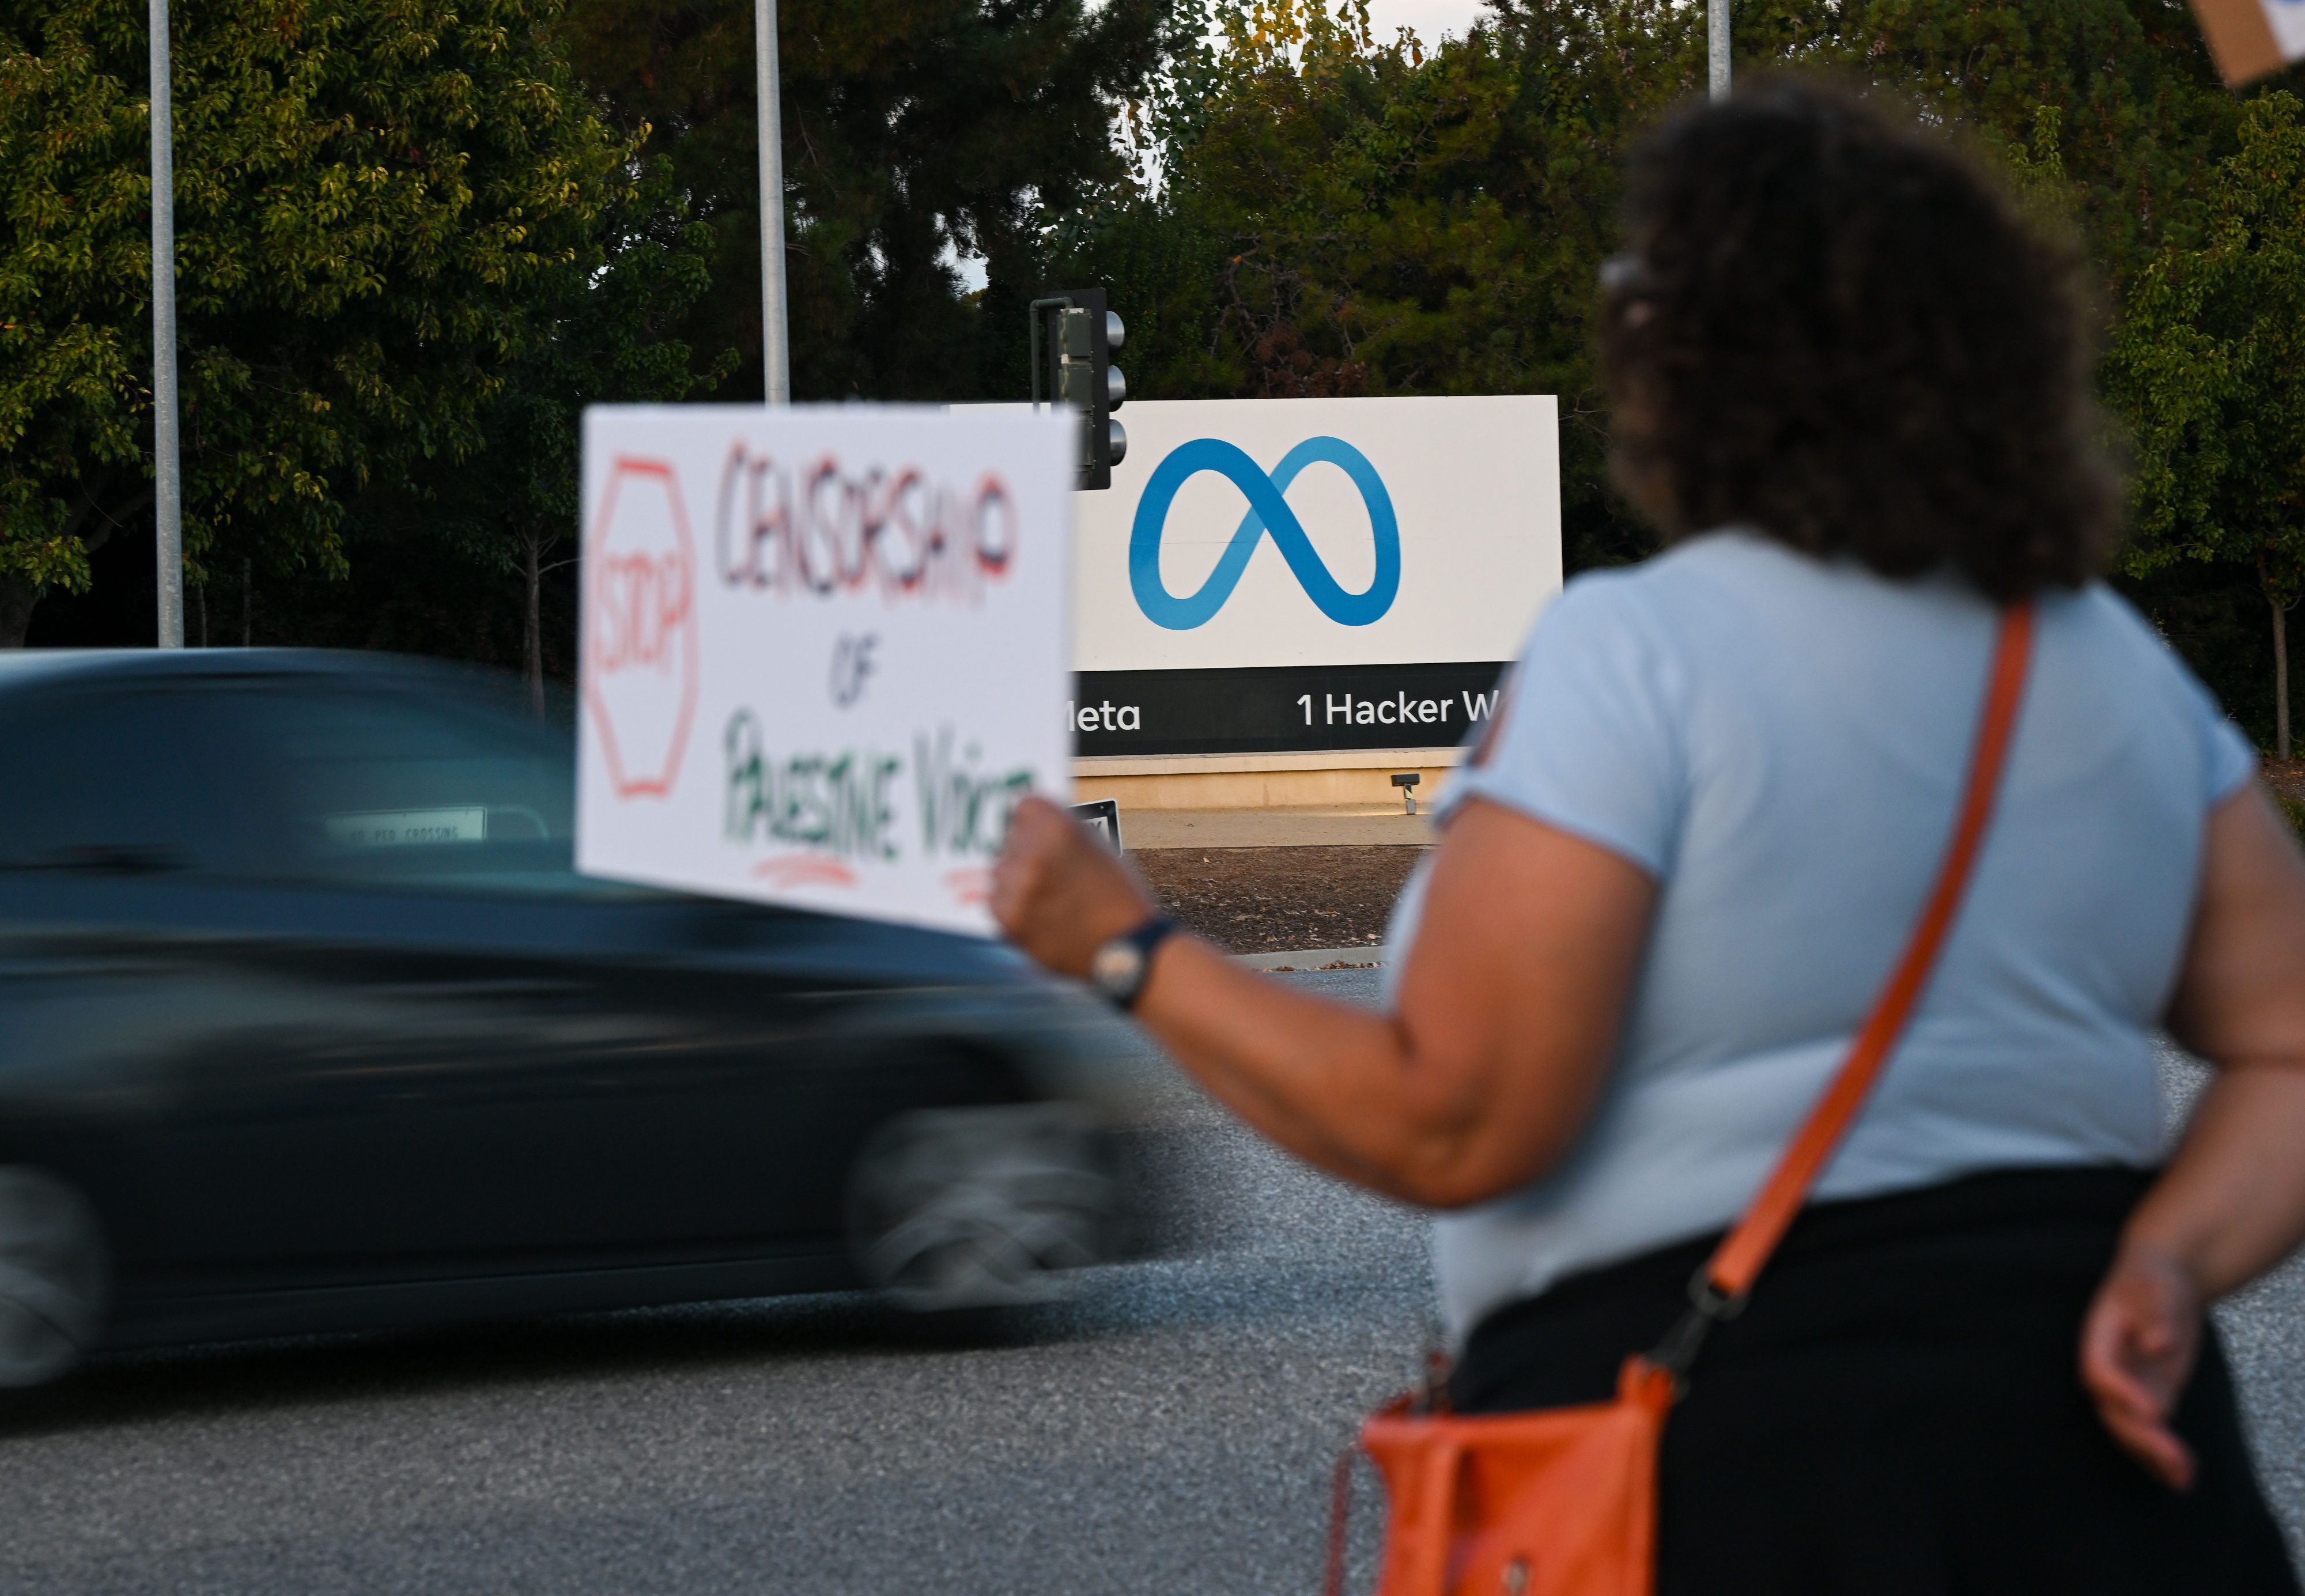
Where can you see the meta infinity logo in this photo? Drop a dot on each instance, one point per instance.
(1268, 512)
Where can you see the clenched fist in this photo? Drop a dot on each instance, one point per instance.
(1060, 893)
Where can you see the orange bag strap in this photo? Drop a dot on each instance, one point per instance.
(1720, 1288)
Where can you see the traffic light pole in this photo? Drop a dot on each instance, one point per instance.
(1060, 303)
(1716, 50)
(167, 477)
(1083, 378)
(775, 348)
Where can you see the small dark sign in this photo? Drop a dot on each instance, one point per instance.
(1104, 818)
(1281, 708)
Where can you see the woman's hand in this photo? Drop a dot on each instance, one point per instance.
(2138, 1345)
(1060, 893)
(2230, 1203)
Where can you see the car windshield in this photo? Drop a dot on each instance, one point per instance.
(402, 785)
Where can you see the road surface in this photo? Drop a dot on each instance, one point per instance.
(1168, 1431)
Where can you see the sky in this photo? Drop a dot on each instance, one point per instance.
(1430, 19)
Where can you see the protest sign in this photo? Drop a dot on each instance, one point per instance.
(824, 651)
(2249, 38)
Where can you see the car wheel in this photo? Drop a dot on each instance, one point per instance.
(52, 1277)
(977, 1207)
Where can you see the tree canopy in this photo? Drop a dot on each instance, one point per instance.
(2210, 367)
(376, 204)
(417, 236)
(1342, 214)
(916, 132)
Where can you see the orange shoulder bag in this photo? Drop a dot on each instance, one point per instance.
(1562, 1501)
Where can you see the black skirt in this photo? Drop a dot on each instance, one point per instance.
(1899, 1412)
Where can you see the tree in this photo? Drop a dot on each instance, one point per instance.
(1357, 216)
(1340, 214)
(373, 197)
(915, 130)
(2137, 105)
(1337, 214)
(514, 506)
(2210, 363)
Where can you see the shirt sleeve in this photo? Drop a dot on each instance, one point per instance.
(2228, 761)
(1589, 741)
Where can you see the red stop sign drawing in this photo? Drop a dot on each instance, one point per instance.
(640, 627)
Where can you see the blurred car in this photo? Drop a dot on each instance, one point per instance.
(307, 1023)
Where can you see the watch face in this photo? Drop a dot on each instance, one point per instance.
(1116, 967)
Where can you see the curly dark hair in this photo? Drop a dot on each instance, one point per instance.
(1834, 329)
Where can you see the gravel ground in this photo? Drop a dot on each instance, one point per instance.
(1270, 900)
(1170, 1430)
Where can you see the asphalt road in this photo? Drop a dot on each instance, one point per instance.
(1170, 1431)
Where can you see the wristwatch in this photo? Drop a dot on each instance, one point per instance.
(1119, 968)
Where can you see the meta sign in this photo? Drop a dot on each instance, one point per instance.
(824, 651)
(1287, 575)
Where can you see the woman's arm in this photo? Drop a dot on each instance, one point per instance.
(1498, 1046)
(2232, 1202)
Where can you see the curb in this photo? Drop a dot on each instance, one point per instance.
(1314, 958)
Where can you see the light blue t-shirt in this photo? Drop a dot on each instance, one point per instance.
(1782, 742)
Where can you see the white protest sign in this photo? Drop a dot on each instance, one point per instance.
(824, 652)
(2251, 37)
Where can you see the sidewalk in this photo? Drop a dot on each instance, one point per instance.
(1324, 826)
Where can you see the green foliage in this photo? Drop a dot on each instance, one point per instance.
(415, 239)
(2134, 106)
(1339, 215)
(1342, 214)
(608, 339)
(379, 204)
(912, 129)
(2210, 364)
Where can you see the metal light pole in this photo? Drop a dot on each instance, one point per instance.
(169, 488)
(775, 346)
(1717, 49)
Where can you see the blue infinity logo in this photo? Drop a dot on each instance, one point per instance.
(1268, 512)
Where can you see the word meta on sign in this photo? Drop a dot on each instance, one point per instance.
(1106, 716)
(869, 666)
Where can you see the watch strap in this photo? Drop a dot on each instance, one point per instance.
(1144, 938)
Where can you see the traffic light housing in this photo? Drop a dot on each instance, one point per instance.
(1081, 335)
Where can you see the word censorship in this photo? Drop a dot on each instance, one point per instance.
(818, 527)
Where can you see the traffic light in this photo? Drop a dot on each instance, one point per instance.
(1082, 336)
